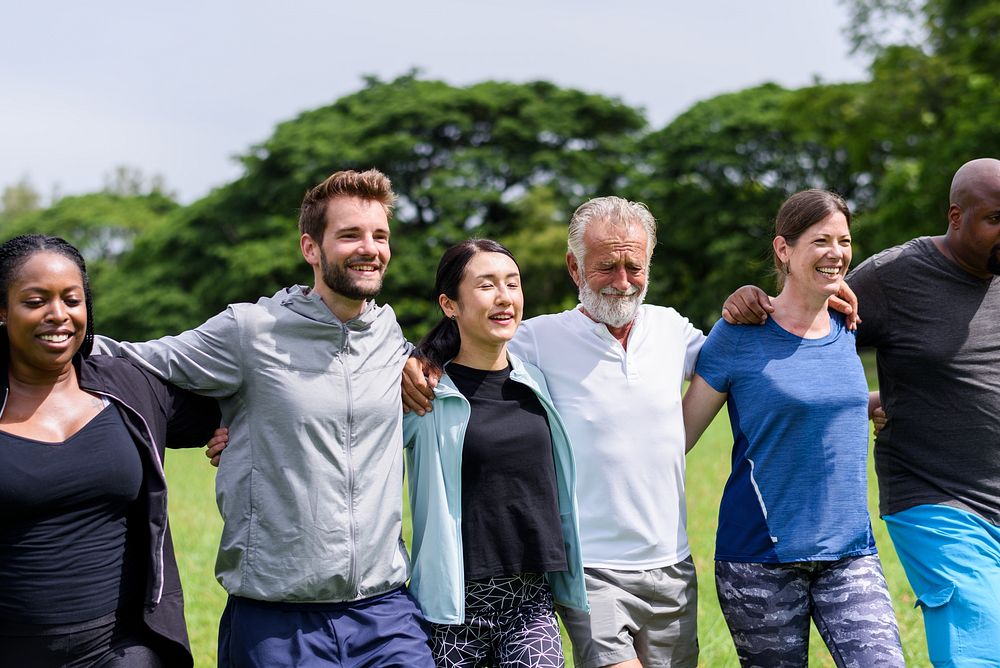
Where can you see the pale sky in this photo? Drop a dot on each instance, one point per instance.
(178, 88)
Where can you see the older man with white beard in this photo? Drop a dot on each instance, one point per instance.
(615, 368)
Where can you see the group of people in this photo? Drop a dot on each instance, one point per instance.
(545, 459)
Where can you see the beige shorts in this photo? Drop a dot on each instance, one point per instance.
(650, 615)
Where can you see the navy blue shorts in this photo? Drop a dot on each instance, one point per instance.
(385, 631)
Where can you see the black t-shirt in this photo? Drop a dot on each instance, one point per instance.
(936, 330)
(510, 509)
(64, 510)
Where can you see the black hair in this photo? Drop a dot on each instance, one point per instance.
(13, 255)
(443, 341)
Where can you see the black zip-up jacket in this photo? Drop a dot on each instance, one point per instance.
(157, 415)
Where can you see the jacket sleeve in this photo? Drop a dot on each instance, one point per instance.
(191, 418)
(206, 360)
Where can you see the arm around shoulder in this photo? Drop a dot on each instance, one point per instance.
(207, 359)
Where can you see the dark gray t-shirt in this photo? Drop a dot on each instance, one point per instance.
(936, 330)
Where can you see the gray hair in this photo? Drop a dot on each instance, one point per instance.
(615, 210)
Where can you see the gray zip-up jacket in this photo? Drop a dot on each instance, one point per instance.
(310, 486)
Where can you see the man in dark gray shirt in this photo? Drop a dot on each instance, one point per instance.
(931, 309)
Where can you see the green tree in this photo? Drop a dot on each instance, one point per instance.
(493, 159)
(933, 103)
(104, 227)
(720, 171)
(18, 199)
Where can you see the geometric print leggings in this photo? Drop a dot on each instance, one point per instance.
(768, 608)
(510, 622)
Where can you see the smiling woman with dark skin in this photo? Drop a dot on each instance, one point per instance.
(87, 573)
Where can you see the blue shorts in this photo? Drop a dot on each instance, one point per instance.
(952, 560)
(385, 631)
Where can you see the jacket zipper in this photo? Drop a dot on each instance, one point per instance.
(161, 534)
(352, 581)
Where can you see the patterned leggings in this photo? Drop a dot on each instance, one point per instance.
(510, 622)
(768, 606)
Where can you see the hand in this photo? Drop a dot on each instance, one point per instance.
(749, 305)
(417, 386)
(875, 411)
(879, 419)
(846, 302)
(216, 444)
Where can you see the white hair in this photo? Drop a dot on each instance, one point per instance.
(615, 210)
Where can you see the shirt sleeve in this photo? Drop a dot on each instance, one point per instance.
(872, 303)
(694, 339)
(523, 344)
(206, 360)
(715, 362)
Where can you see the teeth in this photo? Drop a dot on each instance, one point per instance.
(54, 338)
(828, 271)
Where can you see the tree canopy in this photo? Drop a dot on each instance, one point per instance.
(511, 161)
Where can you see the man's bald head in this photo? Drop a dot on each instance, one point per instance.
(971, 178)
(973, 236)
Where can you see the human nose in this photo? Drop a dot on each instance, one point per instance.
(56, 312)
(503, 295)
(368, 245)
(619, 281)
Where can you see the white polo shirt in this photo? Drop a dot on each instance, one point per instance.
(623, 413)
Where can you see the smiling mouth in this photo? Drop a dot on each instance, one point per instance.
(368, 268)
(829, 271)
(55, 338)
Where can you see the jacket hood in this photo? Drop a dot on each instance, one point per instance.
(306, 302)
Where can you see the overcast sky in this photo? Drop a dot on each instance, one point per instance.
(177, 88)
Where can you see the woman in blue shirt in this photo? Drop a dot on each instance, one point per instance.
(794, 539)
(491, 478)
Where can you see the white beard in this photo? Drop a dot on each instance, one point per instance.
(612, 311)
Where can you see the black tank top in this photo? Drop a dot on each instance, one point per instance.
(64, 521)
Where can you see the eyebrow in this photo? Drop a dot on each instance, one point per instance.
(358, 228)
(510, 275)
(38, 288)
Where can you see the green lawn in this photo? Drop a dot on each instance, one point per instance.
(196, 526)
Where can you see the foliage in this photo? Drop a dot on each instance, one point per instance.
(932, 106)
(18, 199)
(511, 161)
(494, 159)
(719, 172)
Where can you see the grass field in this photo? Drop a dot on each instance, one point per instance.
(196, 526)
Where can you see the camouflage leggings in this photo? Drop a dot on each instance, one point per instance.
(768, 607)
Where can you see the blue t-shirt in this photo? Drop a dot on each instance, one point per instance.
(799, 414)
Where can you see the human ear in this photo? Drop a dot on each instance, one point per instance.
(573, 267)
(310, 249)
(448, 306)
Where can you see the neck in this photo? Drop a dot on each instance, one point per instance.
(482, 358)
(620, 333)
(344, 308)
(26, 381)
(944, 244)
(804, 315)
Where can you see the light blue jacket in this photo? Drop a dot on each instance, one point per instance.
(433, 445)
